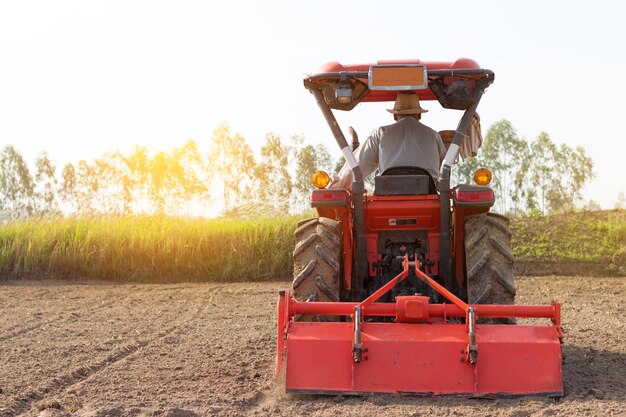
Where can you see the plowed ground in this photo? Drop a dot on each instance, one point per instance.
(205, 349)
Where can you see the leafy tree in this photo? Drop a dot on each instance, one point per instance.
(232, 159)
(137, 178)
(67, 190)
(103, 199)
(579, 170)
(308, 159)
(538, 176)
(46, 185)
(157, 169)
(534, 177)
(16, 183)
(463, 171)
(274, 180)
(558, 174)
(621, 201)
(542, 171)
(591, 205)
(185, 174)
(87, 187)
(114, 194)
(504, 153)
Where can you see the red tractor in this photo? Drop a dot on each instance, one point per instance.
(409, 289)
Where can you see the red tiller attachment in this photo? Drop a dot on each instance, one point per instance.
(427, 350)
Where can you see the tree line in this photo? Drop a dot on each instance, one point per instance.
(182, 181)
(536, 176)
(528, 176)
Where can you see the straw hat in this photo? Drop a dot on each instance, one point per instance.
(407, 103)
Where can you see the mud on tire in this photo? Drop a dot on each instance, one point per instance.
(317, 263)
(489, 262)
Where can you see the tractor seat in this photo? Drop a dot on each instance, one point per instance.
(404, 180)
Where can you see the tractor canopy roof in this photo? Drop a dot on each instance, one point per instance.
(452, 83)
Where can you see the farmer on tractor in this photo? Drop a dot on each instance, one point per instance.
(398, 290)
(407, 142)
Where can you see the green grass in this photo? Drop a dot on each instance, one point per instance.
(166, 249)
(148, 249)
(596, 237)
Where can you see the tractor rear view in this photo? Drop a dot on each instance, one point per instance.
(409, 289)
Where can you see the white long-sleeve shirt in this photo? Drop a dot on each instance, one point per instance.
(407, 142)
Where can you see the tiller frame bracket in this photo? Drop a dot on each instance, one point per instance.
(471, 353)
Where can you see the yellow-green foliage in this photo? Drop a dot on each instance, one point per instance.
(148, 248)
(589, 236)
(168, 249)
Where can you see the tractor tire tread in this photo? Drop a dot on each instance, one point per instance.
(483, 295)
(500, 222)
(333, 225)
(478, 266)
(504, 250)
(317, 263)
(477, 237)
(304, 221)
(303, 226)
(331, 239)
(303, 245)
(308, 269)
(502, 278)
(489, 262)
(326, 255)
(326, 289)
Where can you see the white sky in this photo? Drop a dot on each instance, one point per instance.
(81, 78)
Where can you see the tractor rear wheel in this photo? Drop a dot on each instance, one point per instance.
(316, 263)
(489, 262)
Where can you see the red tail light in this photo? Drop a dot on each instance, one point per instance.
(474, 195)
(321, 198)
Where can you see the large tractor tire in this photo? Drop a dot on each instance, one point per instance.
(317, 263)
(489, 262)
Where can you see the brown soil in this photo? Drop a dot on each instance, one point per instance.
(205, 349)
(534, 267)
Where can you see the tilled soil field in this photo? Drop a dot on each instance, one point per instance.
(208, 349)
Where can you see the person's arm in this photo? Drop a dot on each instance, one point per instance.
(440, 148)
(367, 157)
(343, 178)
(367, 153)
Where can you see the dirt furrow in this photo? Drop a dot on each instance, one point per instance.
(20, 329)
(98, 357)
(83, 373)
(190, 350)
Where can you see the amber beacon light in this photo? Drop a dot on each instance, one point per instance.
(320, 179)
(482, 176)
